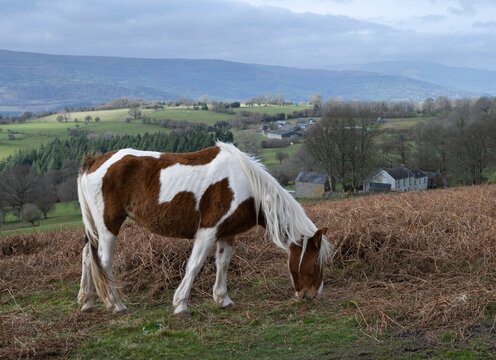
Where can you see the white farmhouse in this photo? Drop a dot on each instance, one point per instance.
(399, 178)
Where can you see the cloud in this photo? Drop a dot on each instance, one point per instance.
(464, 8)
(221, 29)
(485, 24)
(429, 18)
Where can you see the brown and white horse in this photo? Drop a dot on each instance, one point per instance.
(209, 196)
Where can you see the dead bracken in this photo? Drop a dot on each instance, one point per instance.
(416, 263)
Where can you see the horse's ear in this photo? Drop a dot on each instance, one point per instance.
(317, 237)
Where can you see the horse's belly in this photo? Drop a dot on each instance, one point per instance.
(177, 218)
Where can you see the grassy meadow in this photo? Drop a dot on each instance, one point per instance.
(412, 277)
(34, 132)
(65, 215)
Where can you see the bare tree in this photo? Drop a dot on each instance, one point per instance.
(31, 213)
(19, 187)
(45, 196)
(342, 141)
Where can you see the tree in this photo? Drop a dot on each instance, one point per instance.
(428, 107)
(97, 119)
(402, 146)
(341, 142)
(45, 196)
(65, 116)
(319, 145)
(18, 186)
(135, 112)
(316, 100)
(26, 116)
(87, 119)
(280, 156)
(442, 105)
(67, 190)
(249, 143)
(437, 140)
(31, 213)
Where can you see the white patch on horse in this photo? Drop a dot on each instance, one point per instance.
(197, 179)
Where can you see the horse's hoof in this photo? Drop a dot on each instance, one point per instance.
(120, 311)
(185, 314)
(228, 306)
(87, 307)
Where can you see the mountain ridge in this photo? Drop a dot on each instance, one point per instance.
(33, 80)
(482, 81)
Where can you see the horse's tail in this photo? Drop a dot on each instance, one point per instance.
(99, 276)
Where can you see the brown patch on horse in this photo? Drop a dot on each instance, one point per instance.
(215, 202)
(176, 218)
(201, 157)
(241, 220)
(131, 188)
(92, 163)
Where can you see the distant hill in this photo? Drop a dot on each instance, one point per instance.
(36, 81)
(474, 80)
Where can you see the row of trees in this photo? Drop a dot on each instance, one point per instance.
(349, 141)
(52, 155)
(460, 142)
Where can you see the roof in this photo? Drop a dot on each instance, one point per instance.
(419, 174)
(432, 174)
(311, 177)
(399, 172)
(281, 131)
(373, 174)
(379, 187)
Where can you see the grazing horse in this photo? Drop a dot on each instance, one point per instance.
(209, 196)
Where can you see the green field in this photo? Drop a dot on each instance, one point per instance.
(268, 156)
(64, 216)
(401, 124)
(34, 132)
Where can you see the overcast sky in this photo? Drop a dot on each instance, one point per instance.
(301, 33)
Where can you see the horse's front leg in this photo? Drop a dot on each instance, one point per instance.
(222, 260)
(204, 240)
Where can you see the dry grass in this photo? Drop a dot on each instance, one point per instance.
(418, 263)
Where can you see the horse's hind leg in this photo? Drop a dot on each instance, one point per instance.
(87, 288)
(222, 260)
(106, 244)
(204, 240)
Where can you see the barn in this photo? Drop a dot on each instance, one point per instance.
(311, 185)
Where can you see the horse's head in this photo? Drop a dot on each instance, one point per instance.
(307, 272)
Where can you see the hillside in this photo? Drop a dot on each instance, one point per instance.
(476, 80)
(39, 81)
(413, 273)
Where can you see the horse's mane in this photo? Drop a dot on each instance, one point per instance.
(286, 221)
